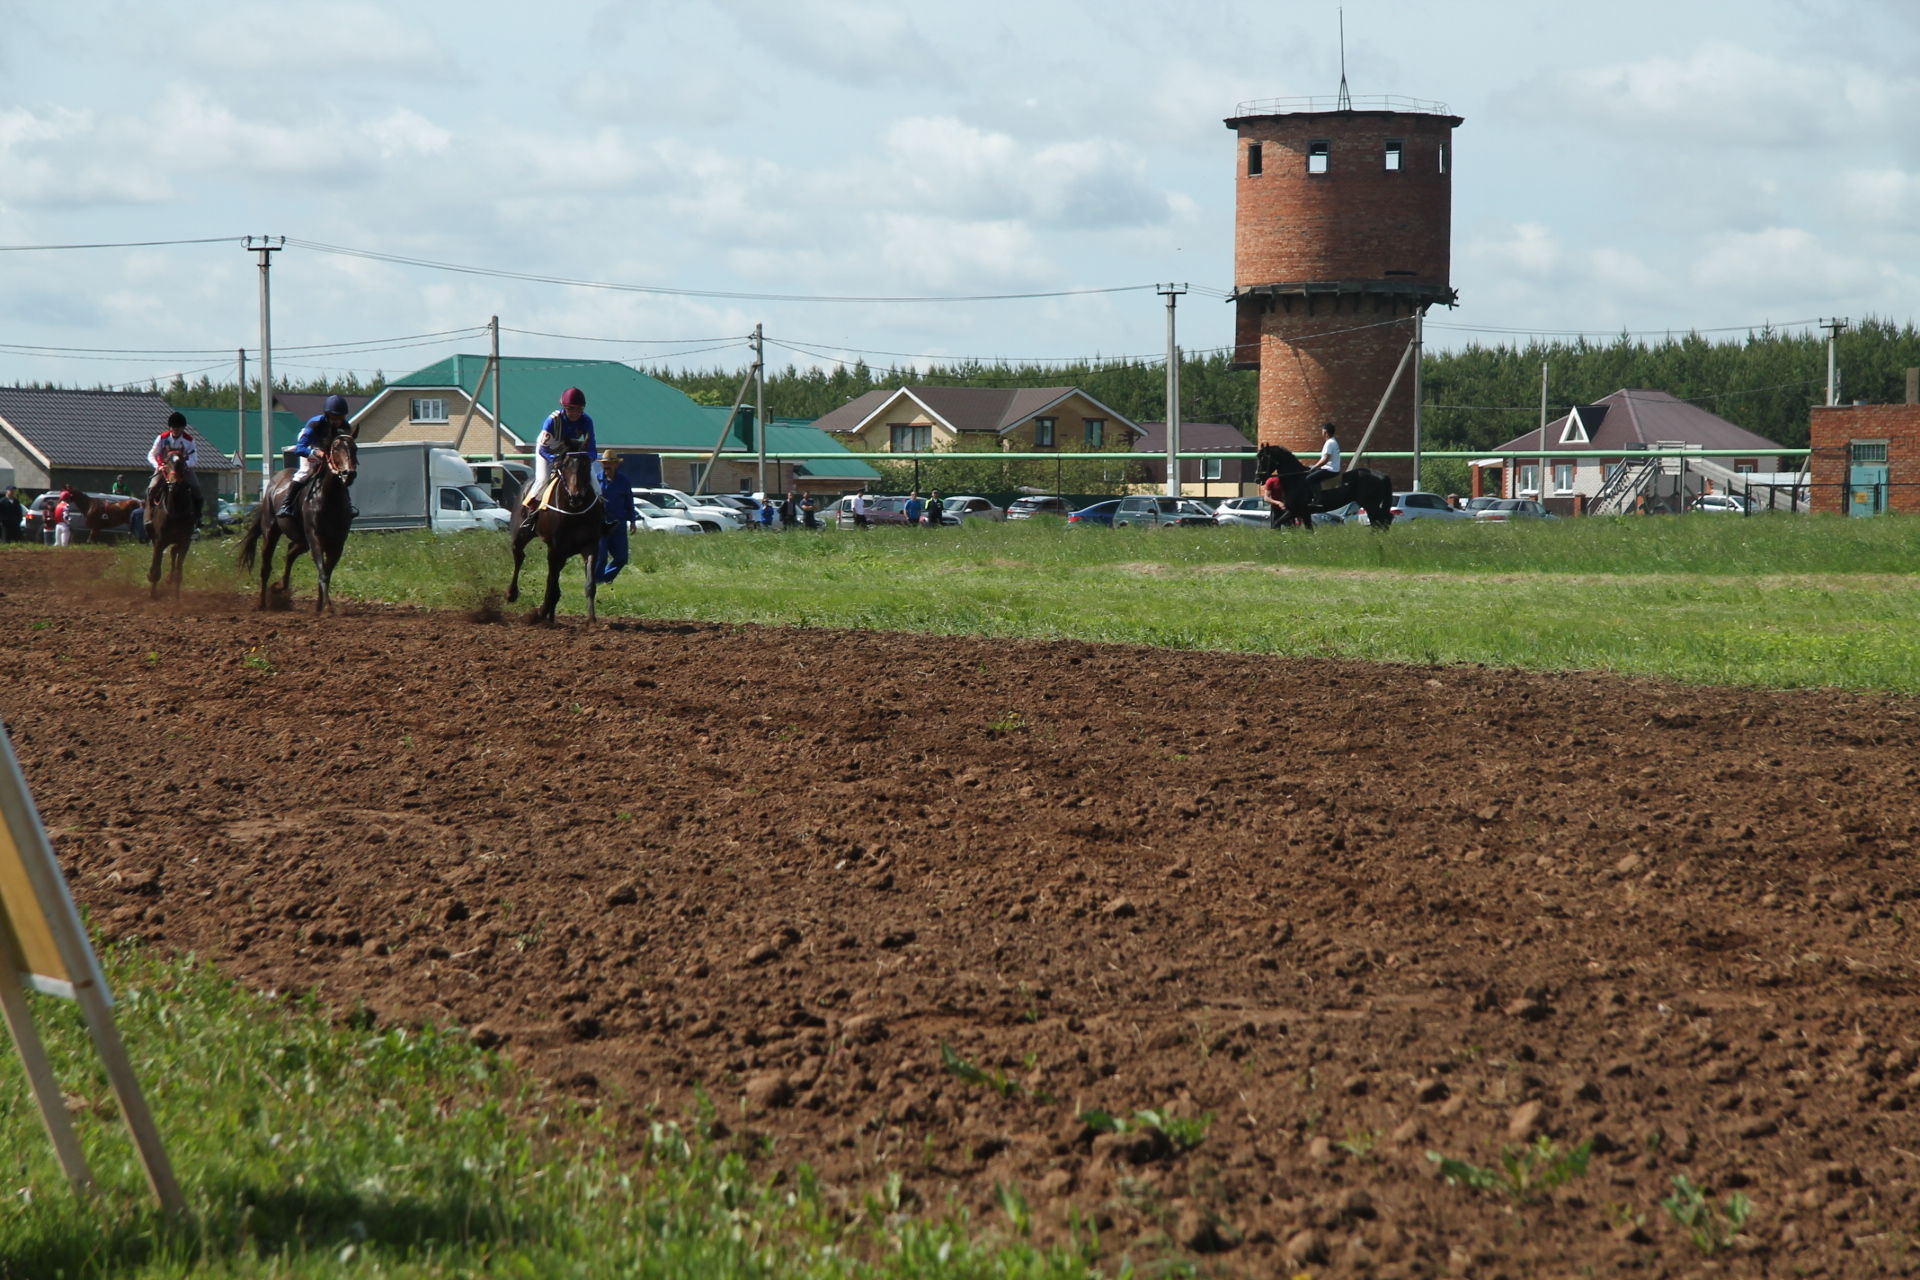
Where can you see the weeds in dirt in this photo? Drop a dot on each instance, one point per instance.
(308, 1148)
(259, 660)
(1525, 1174)
(997, 1081)
(1360, 1144)
(1711, 1226)
(1184, 1132)
(1011, 722)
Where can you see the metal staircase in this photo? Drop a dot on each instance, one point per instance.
(1624, 484)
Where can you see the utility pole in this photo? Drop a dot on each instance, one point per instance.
(240, 427)
(760, 406)
(499, 431)
(1418, 316)
(1543, 432)
(1172, 292)
(266, 247)
(1833, 328)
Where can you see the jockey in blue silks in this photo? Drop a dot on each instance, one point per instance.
(311, 448)
(567, 429)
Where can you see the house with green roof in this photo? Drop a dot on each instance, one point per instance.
(632, 414)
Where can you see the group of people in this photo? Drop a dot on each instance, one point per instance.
(929, 511)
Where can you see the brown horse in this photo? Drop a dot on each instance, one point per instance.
(170, 510)
(320, 523)
(104, 514)
(571, 526)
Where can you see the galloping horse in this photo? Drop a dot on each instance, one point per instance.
(320, 523)
(570, 527)
(169, 514)
(1373, 490)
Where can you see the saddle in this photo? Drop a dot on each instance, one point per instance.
(542, 500)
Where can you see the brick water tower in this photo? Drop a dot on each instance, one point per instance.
(1343, 215)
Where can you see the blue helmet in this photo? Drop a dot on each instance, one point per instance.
(337, 404)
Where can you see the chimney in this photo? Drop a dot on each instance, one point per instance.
(1913, 386)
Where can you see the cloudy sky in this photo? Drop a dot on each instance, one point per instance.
(1642, 165)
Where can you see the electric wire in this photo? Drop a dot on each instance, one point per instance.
(123, 244)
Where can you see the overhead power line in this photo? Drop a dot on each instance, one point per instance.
(122, 244)
(671, 291)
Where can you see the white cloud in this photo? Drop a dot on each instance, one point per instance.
(939, 253)
(1881, 197)
(956, 170)
(1782, 262)
(1526, 247)
(319, 44)
(858, 42)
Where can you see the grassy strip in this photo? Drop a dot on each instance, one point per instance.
(309, 1149)
(1779, 602)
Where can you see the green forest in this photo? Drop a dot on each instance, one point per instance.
(1475, 397)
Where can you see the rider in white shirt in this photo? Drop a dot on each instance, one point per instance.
(1328, 463)
(175, 439)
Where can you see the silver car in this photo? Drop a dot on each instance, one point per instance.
(1417, 504)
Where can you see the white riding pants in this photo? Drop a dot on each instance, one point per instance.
(542, 470)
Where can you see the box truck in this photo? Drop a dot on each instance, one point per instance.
(412, 484)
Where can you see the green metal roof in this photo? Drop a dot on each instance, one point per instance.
(630, 410)
(796, 435)
(216, 427)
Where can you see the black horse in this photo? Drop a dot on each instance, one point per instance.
(170, 517)
(1373, 490)
(320, 523)
(570, 524)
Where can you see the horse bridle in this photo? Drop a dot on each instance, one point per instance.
(591, 487)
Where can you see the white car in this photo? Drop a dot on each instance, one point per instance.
(714, 517)
(657, 519)
(1416, 504)
(1726, 504)
(1248, 511)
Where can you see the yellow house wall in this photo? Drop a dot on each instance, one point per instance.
(390, 419)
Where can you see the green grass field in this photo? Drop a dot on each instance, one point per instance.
(1776, 601)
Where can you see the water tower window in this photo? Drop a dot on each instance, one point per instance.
(1393, 155)
(1253, 159)
(1317, 156)
(1443, 157)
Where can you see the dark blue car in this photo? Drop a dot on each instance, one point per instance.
(1098, 513)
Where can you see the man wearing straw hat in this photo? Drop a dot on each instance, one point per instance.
(620, 517)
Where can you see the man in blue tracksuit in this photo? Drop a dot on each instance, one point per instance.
(621, 515)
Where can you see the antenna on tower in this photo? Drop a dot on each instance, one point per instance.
(1346, 100)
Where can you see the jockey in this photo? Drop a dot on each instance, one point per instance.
(1327, 464)
(567, 429)
(175, 439)
(311, 447)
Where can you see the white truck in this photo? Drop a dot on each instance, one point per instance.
(414, 484)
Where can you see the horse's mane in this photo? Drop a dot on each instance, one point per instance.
(1274, 457)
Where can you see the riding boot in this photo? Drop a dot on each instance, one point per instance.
(285, 510)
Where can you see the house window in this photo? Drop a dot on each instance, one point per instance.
(911, 437)
(1868, 451)
(1529, 479)
(1096, 433)
(1043, 432)
(1744, 468)
(1210, 468)
(1393, 154)
(696, 476)
(1563, 477)
(1317, 156)
(1253, 159)
(425, 410)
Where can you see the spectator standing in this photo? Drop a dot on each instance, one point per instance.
(12, 515)
(857, 504)
(766, 516)
(936, 510)
(62, 534)
(620, 518)
(789, 511)
(809, 512)
(915, 507)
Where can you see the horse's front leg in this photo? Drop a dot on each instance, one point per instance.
(323, 562)
(153, 572)
(522, 535)
(179, 567)
(556, 562)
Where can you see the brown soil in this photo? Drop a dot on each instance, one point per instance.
(1352, 913)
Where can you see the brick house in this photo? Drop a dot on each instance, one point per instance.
(1866, 457)
(1014, 419)
(1202, 477)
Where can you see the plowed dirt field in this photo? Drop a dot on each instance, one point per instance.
(915, 904)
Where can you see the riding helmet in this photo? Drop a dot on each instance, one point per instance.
(337, 404)
(176, 419)
(573, 396)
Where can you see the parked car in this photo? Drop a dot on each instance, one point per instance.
(1726, 504)
(1100, 513)
(1246, 511)
(888, 509)
(1416, 504)
(1202, 513)
(1479, 504)
(1503, 509)
(657, 519)
(1039, 505)
(1153, 512)
(714, 517)
(968, 507)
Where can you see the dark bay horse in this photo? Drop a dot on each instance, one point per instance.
(320, 523)
(108, 513)
(170, 511)
(1373, 490)
(570, 526)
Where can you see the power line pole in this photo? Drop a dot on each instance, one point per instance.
(1418, 317)
(240, 427)
(499, 431)
(265, 247)
(1172, 292)
(1833, 328)
(760, 405)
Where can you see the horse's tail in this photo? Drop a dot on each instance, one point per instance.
(252, 540)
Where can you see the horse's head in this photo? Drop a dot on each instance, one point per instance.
(1275, 458)
(343, 457)
(173, 465)
(577, 490)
